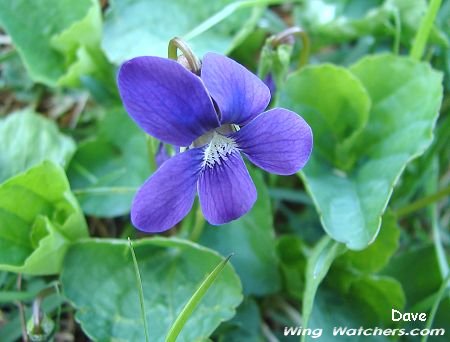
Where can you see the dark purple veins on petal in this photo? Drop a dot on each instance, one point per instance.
(278, 141)
(168, 195)
(226, 190)
(239, 94)
(166, 100)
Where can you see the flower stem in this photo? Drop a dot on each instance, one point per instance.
(152, 148)
(140, 290)
(281, 37)
(199, 224)
(179, 44)
(424, 30)
(23, 323)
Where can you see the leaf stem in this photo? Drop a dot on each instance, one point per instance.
(268, 334)
(190, 306)
(23, 324)
(37, 313)
(432, 185)
(426, 24)
(290, 312)
(152, 148)
(440, 295)
(140, 290)
(58, 311)
(317, 266)
(7, 55)
(440, 251)
(423, 202)
(398, 31)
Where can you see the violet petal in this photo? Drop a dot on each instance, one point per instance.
(168, 195)
(226, 190)
(166, 100)
(278, 141)
(239, 94)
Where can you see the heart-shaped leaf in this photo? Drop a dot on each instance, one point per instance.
(39, 219)
(27, 139)
(105, 293)
(57, 39)
(144, 27)
(351, 202)
(106, 171)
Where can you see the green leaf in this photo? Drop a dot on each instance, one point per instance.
(373, 296)
(426, 278)
(15, 77)
(376, 296)
(318, 264)
(107, 170)
(336, 105)
(142, 27)
(26, 139)
(34, 287)
(331, 22)
(245, 326)
(350, 20)
(250, 238)
(351, 203)
(39, 219)
(291, 252)
(11, 296)
(377, 255)
(352, 275)
(104, 289)
(334, 310)
(31, 292)
(56, 39)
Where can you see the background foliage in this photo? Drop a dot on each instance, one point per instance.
(362, 229)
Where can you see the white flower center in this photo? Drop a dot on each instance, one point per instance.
(218, 150)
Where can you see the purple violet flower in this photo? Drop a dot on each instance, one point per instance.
(174, 105)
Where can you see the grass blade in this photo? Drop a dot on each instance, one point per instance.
(190, 306)
(140, 290)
